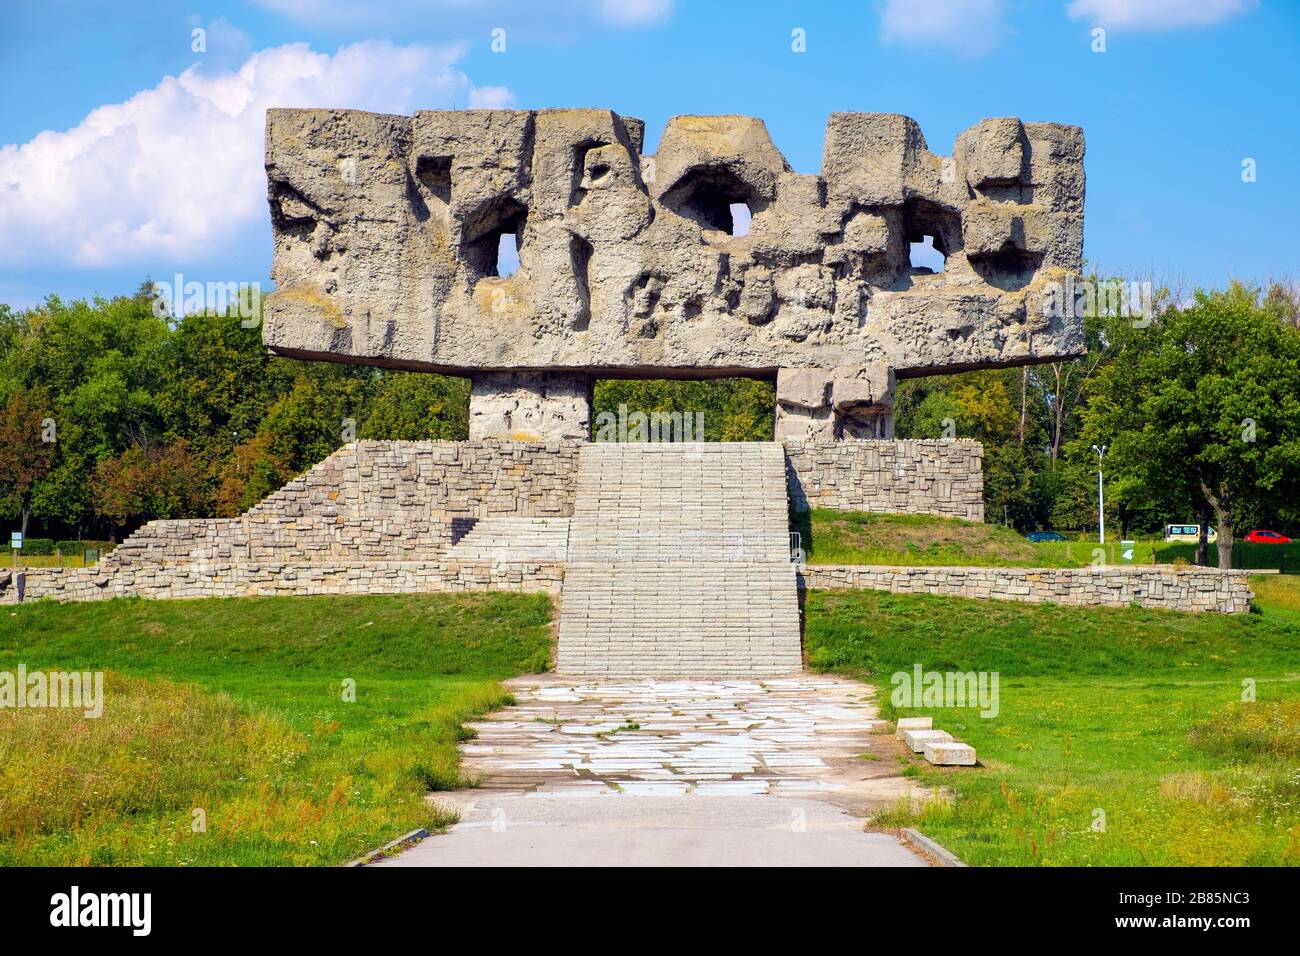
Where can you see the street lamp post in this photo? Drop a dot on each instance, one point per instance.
(1101, 498)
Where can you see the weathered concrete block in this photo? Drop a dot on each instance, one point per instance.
(530, 407)
(905, 724)
(949, 754)
(916, 740)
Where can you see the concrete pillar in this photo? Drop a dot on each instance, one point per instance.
(847, 403)
(530, 406)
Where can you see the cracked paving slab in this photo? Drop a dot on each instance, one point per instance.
(778, 771)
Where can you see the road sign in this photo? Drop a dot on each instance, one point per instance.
(1126, 549)
(15, 540)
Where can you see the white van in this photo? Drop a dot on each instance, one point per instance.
(1187, 532)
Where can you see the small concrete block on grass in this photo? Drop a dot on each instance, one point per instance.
(917, 739)
(912, 723)
(949, 753)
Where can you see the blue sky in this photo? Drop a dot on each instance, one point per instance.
(124, 153)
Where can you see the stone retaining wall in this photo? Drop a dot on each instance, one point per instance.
(374, 501)
(405, 501)
(1161, 586)
(934, 477)
(199, 579)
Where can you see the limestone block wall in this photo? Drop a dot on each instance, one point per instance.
(937, 477)
(1164, 587)
(247, 579)
(374, 500)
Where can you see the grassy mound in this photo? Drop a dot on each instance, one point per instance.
(859, 537)
(874, 633)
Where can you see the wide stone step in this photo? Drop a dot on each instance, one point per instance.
(679, 563)
(514, 539)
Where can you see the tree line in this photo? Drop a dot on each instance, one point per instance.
(111, 415)
(1196, 405)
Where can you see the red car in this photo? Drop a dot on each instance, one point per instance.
(1267, 537)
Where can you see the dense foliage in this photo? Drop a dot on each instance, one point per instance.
(1199, 409)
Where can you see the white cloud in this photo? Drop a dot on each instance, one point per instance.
(490, 97)
(963, 26)
(1156, 14)
(227, 45)
(175, 174)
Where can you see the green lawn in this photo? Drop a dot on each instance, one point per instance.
(858, 537)
(1127, 717)
(235, 706)
(20, 560)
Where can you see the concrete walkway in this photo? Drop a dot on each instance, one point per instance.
(775, 772)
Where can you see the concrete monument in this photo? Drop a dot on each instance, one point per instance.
(388, 231)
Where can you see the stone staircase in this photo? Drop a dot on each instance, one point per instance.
(678, 563)
(513, 539)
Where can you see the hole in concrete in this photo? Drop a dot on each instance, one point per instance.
(435, 173)
(924, 255)
(716, 198)
(493, 245)
(293, 212)
(1009, 269)
(933, 233)
(580, 172)
(740, 219)
(580, 259)
(507, 254)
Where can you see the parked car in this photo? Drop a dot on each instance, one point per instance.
(1187, 532)
(1037, 536)
(1259, 536)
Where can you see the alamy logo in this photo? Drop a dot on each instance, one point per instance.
(77, 690)
(179, 298)
(922, 688)
(74, 908)
(1087, 298)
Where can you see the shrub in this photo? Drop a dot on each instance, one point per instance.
(67, 548)
(1252, 730)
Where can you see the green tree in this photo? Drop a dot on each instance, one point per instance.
(1205, 401)
(318, 415)
(26, 452)
(732, 409)
(217, 385)
(408, 406)
(143, 483)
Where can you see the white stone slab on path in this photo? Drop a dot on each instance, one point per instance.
(718, 772)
